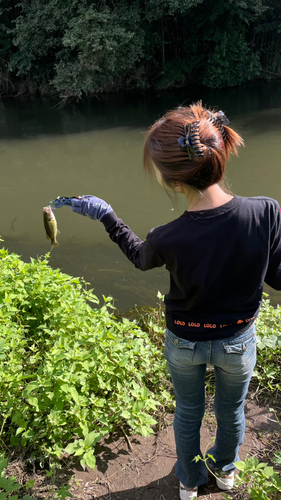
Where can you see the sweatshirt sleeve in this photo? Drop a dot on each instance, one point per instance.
(273, 274)
(139, 252)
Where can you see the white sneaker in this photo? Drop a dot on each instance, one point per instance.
(187, 493)
(224, 479)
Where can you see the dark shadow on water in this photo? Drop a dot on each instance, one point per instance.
(31, 117)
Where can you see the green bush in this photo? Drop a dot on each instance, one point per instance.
(231, 62)
(75, 46)
(256, 480)
(259, 480)
(268, 369)
(70, 373)
(79, 47)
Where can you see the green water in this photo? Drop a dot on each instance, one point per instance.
(95, 147)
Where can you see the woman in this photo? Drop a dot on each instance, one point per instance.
(219, 253)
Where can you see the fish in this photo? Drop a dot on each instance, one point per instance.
(50, 225)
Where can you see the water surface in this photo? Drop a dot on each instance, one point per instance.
(95, 147)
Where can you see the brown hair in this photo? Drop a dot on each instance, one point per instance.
(163, 150)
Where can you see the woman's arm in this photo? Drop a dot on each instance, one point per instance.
(139, 252)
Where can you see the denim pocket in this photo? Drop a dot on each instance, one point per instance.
(178, 349)
(240, 350)
(239, 347)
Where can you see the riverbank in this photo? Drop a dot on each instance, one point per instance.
(74, 379)
(21, 89)
(142, 468)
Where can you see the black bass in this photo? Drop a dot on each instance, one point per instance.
(50, 225)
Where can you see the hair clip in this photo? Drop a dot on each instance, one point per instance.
(222, 118)
(219, 121)
(195, 139)
(185, 142)
(191, 142)
(212, 118)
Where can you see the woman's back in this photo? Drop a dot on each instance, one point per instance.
(218, 260)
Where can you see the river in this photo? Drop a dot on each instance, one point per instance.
(95, 147)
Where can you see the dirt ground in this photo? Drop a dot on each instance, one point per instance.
(147, 472)
(143, 468)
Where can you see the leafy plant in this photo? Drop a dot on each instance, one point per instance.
(100, 48)
(70, 373)
(268, 369)
(277, 458)
(231, 62)
(259, 480)
(9, 485)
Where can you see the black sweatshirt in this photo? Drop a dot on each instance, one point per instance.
(218, 261)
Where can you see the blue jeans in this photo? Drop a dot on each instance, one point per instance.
(233, 359)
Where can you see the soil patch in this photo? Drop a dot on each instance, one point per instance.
(138, 468)
(147, 472)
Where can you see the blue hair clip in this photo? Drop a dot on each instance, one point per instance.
(185, 142)
(191, 142)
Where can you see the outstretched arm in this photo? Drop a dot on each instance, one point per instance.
(139, 252)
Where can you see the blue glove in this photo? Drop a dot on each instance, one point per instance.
(91, 206)
(60, 201)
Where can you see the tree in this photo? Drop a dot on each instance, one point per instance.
(76, 47)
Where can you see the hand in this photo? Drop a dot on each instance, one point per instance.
(60, 201)
(91, 206)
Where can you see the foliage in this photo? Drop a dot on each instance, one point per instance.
(9, 485)
(268, 369)
(76, 47)
(6, 85)
(173, 74)
(267, 37)
(101, 48)
(151, 320)
(259, 480)
(70, 373)
(156, 9)
(231, 62)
